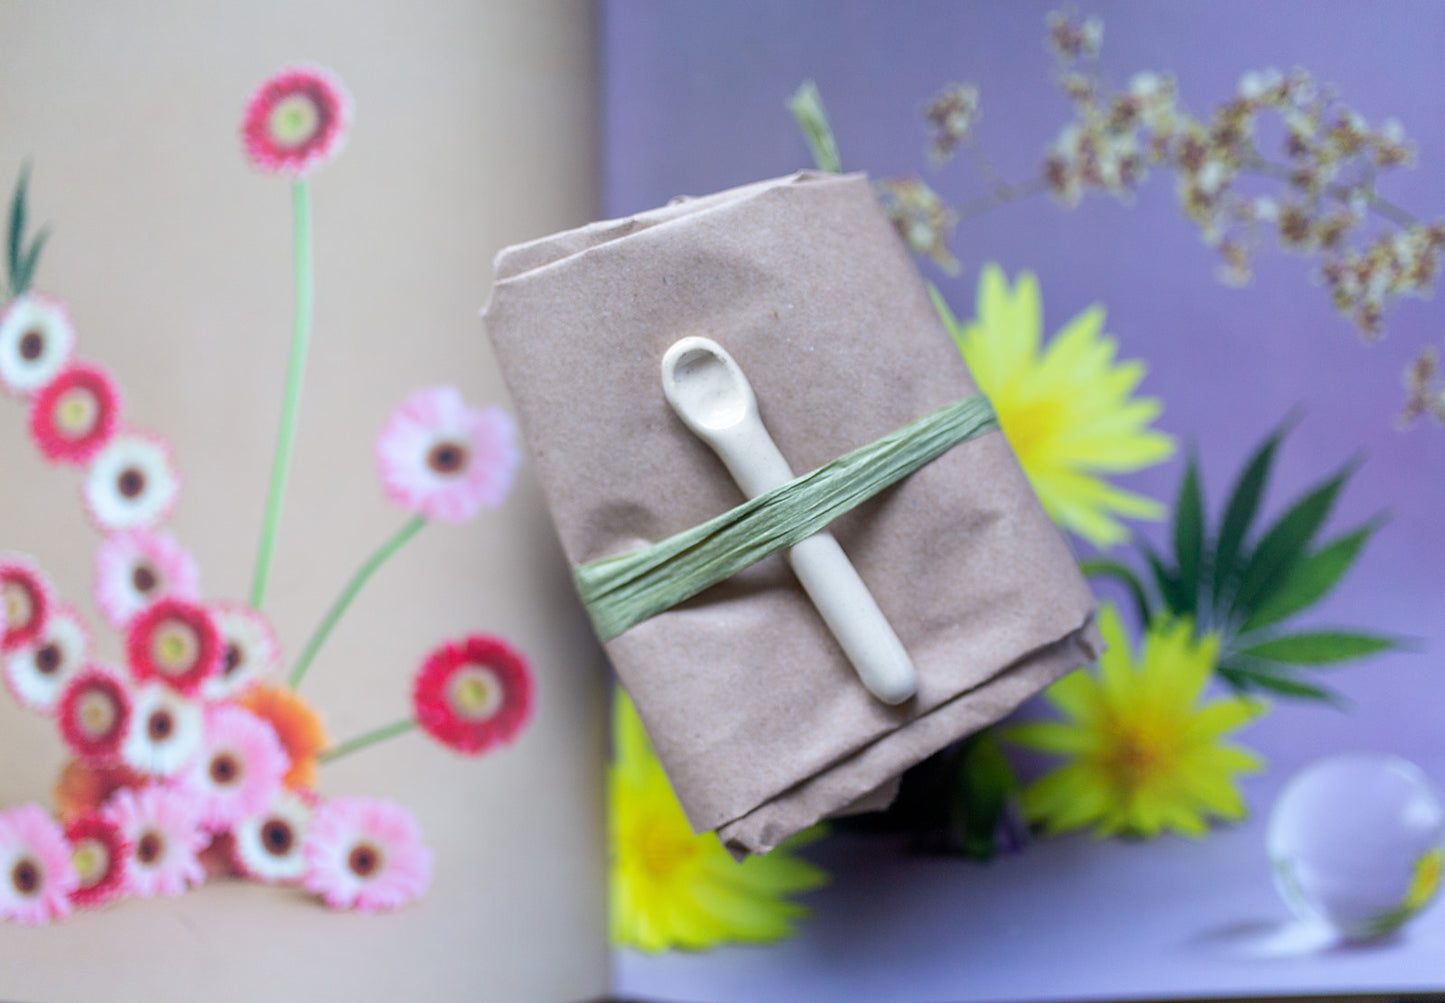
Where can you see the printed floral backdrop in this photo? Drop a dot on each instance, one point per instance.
(1189, 250)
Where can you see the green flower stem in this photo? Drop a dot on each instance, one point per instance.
(295, 376)
(807, 108)
(369, 738)
(338, 608)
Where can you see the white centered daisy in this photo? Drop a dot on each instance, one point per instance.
(165, 733)
(269, 845)
(250, 651)
(37, 672)
(131, 483)
(36, 340)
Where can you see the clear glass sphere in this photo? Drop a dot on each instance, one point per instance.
(1357, 841)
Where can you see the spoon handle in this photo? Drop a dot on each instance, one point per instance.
(827, 576)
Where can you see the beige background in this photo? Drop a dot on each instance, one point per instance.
(473, 130)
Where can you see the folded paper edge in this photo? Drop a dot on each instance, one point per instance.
(522, 259)
(769, 824)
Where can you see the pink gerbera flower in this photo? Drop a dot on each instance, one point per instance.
(238, 770)
(74, 415)
(94, 715)
(268, 845)
(38, 670)
(250, 651)
(366, 855)
(99, 852)
(296, 121)
(25, 601)
(176, 642)
(131, 483)
(36, 873)
(445, 460)
(160, 825)
(473, 694)
(133, 570)
(36, 340)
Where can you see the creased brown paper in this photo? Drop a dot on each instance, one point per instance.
(760, 723)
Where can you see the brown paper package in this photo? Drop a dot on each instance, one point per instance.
(758, 719)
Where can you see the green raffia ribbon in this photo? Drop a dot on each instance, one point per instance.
(620, 592)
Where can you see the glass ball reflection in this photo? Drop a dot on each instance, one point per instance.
(1357, 842)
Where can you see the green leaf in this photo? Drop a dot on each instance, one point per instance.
(807, 108)
(1245, 680)
(1104, 568)
(1167, 581)
(1189, 535)
(1321, 647)
(1312, 577)
(983, 784)
(32, 258)
(1285, 542)
(1243, 504)
(17, 226)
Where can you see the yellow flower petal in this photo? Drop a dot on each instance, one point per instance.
(1066, 408)
(1052, 736)
(1143, 756)
(673, 889)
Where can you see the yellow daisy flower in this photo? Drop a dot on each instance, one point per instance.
(1066, 408)
(1145, 754)
(671, 888)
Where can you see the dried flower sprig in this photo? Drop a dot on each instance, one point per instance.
(1318, 195)
(1329, 166)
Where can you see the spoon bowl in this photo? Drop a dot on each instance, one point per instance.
(705, 386)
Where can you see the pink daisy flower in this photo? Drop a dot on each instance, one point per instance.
(366, 855)
(39, 669)
(176, 642)
(74, 415)
(445, 460)
(94, 715)
(250, 651)
(296, 121)
(238, 770)
(160, 826)
(100, 855)
(268, 845)
(36, 340)
(36, 873)
(165, 732)
(133, 570)
(131, 483)
(25, 601)
(473, 694)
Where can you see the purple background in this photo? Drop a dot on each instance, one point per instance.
(693, 101)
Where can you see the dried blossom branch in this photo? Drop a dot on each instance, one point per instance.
(1371, 252)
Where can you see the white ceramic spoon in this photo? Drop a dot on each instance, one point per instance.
(711, 395)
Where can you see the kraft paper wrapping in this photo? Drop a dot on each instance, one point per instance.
(760, 722)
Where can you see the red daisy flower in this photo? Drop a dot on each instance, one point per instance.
(25, 601)
(94, 715)
(176, 642)
(296, 121)
(75, 414)
(101, 853)
(473, 694)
